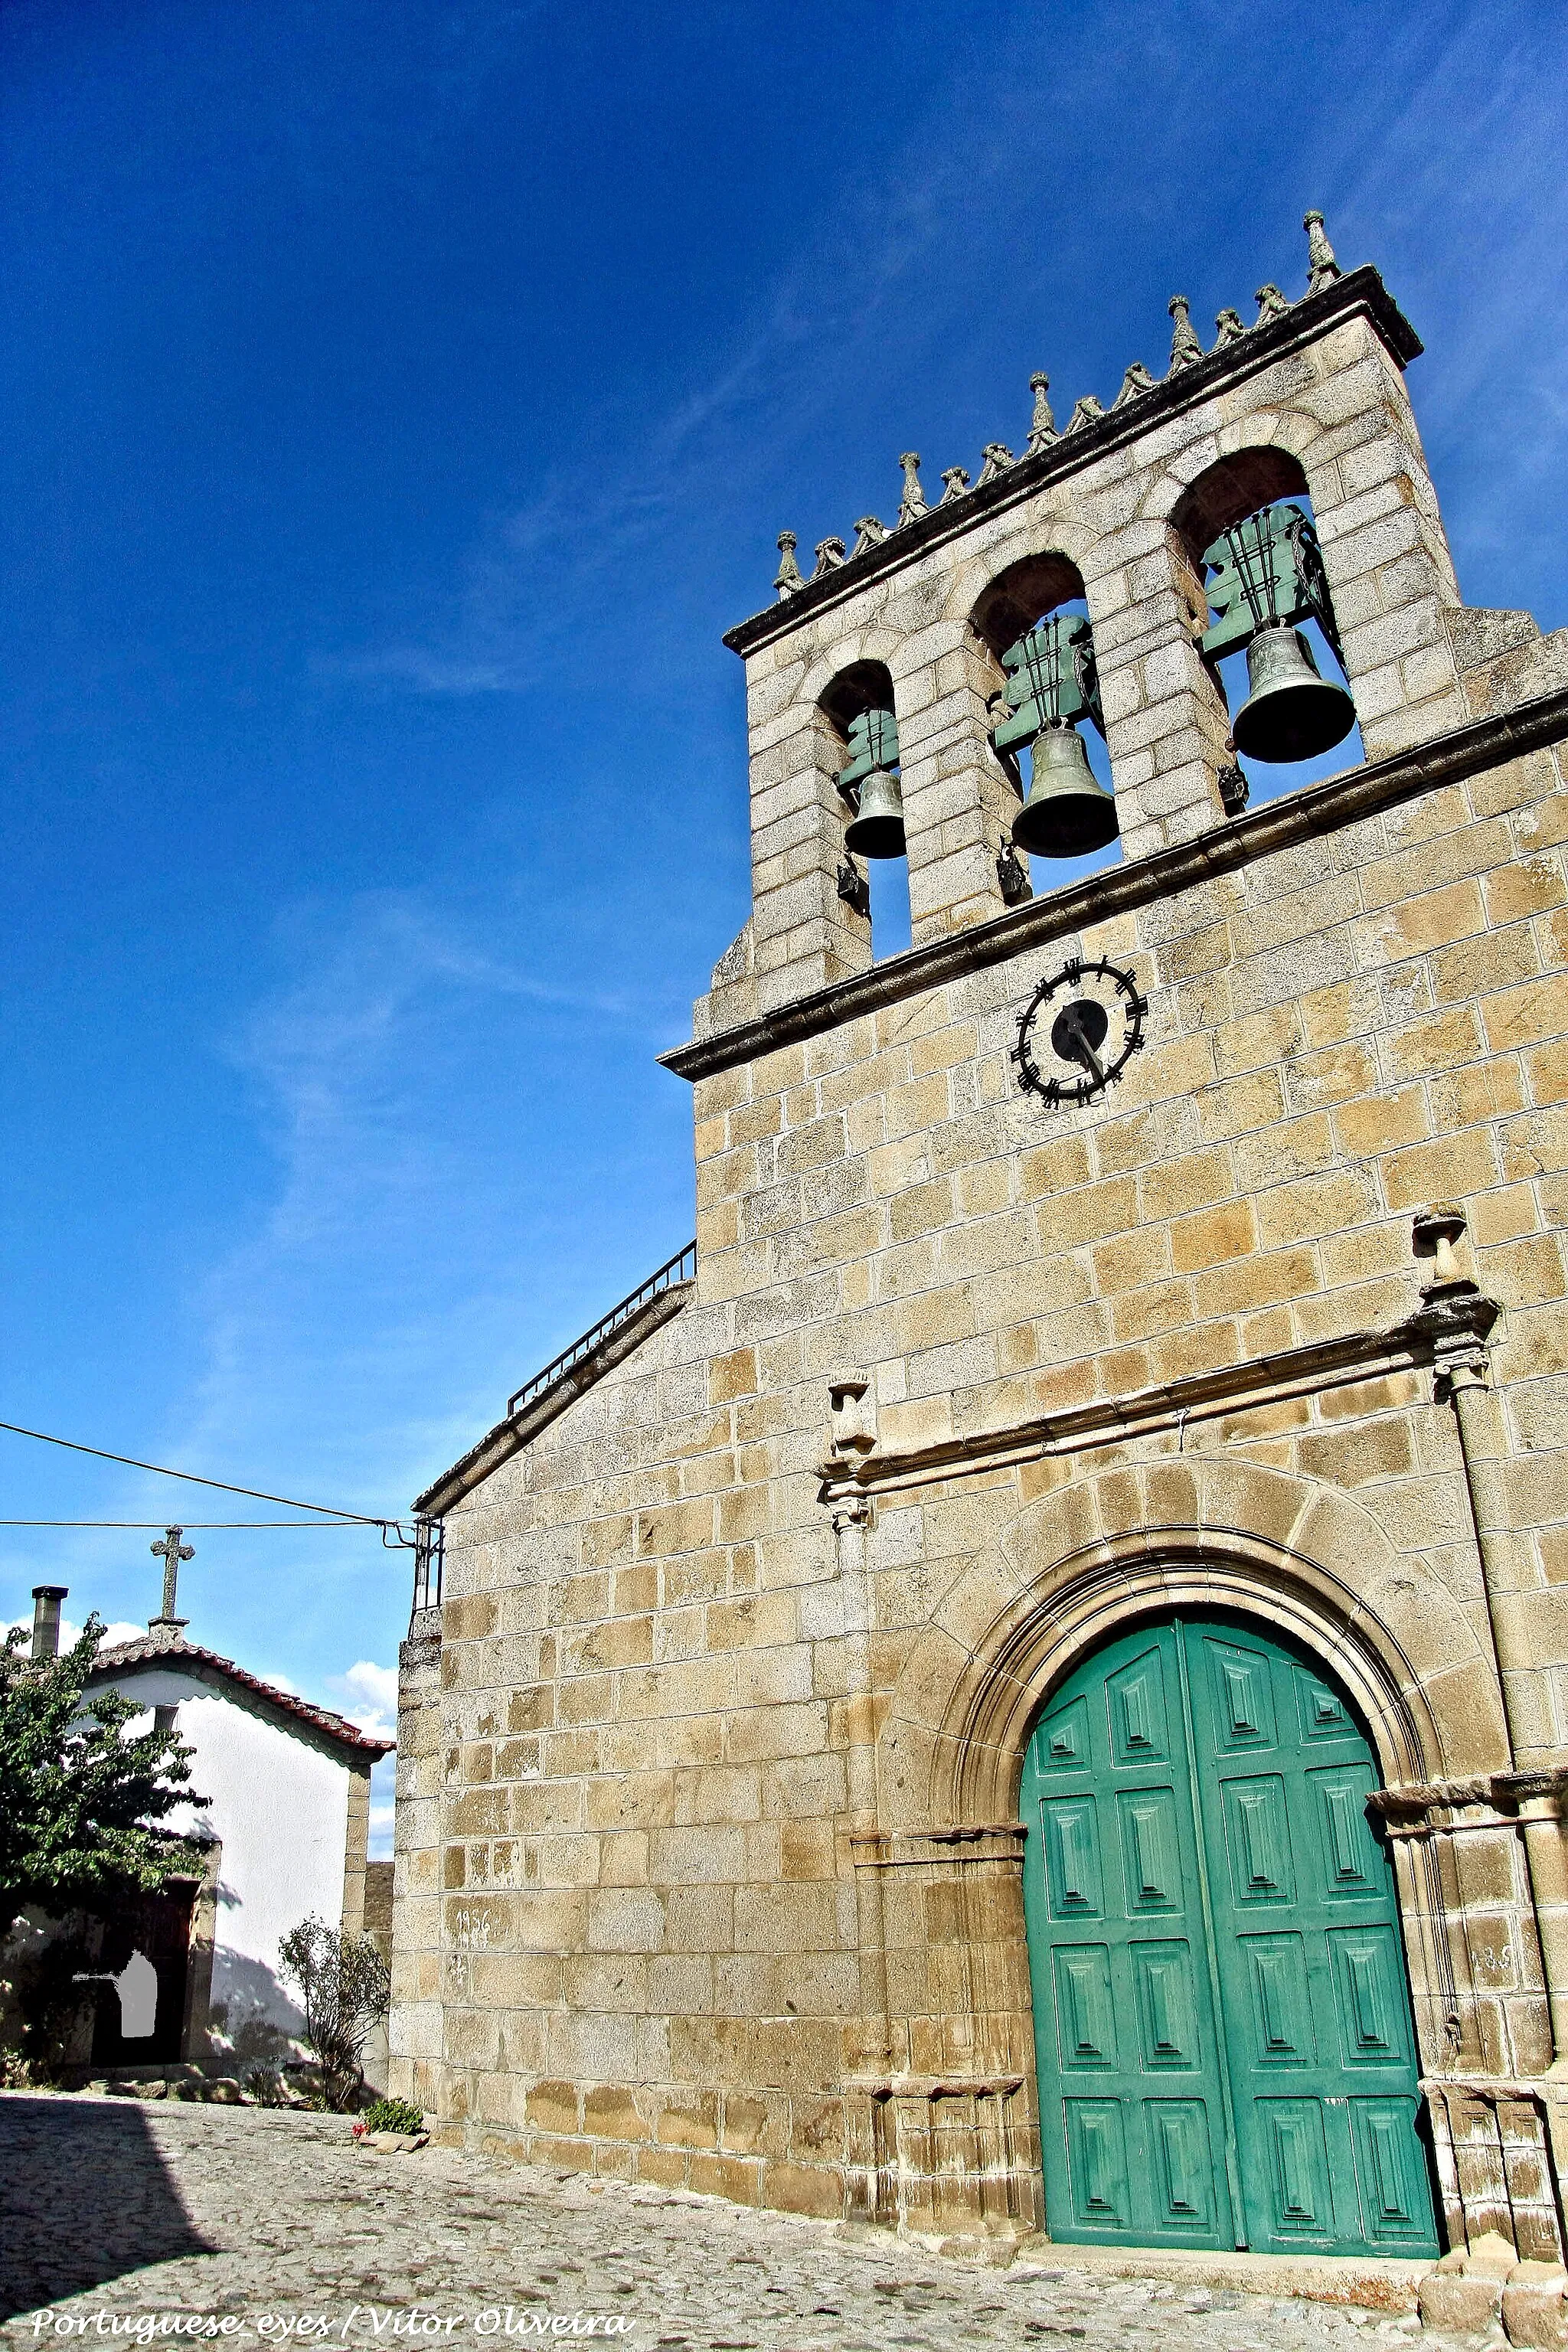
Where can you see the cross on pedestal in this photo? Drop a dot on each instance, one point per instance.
(172, 1551)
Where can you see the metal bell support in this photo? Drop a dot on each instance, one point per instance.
(1270, 575)
(876, 829)
(867, 782)
(1291, 712)
(1069, 812)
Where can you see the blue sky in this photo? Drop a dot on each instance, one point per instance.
(396, 402)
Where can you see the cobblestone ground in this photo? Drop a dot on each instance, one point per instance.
(110, 2207)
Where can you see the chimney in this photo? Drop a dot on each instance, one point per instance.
(47, 1599)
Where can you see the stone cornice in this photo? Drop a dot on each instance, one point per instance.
(1362, 293)
(1278, 824)
(1445, 1326)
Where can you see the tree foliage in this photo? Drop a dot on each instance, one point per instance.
(346, 1989)
(81, 1799)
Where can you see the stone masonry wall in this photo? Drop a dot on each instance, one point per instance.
(668, 1683)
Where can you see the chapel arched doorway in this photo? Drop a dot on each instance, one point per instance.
(1223, 2027)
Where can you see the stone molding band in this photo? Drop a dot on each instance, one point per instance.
(1451, 1325)
(934, 2087)
(900, 1849)
(1262, 832)
(1406, 1809)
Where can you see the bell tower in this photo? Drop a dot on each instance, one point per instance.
(1177, 520)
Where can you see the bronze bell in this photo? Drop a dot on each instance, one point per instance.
(877, 829)
(1291, 712)
(1068, 813)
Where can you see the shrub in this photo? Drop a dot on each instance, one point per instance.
(345, 1989)
(393, 2114)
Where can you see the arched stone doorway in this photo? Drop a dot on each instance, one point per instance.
(945, 2107)
(1224, 2043)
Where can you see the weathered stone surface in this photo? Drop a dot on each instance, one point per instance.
(1532, 2305)
(1455, 2304)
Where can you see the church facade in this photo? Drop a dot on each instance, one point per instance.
(1024, 1686)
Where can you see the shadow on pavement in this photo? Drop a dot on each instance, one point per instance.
(86, 2198)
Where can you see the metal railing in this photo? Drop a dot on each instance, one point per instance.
(681, 1267)
(429, 1558)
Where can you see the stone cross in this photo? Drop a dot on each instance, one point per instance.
(172, 1551)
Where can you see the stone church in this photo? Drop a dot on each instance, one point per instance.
(1023, 1684)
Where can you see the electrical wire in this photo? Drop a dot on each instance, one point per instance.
(301, 1526)
(161, 1469)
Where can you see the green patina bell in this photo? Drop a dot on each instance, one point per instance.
(877, 829)
(1291, 712)
(1067, 812)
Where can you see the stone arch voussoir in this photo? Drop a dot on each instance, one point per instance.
(1038, 534)
(1086, 1561)
(860, 645)
(1293, 430)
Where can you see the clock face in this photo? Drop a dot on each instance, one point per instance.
(1079, 1030)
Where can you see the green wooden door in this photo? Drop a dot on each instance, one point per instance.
(1222, 2018)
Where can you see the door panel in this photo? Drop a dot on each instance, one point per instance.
(1151, 1851)
(1289, 2136)
(1281, 2004)
(1177, 2133)
(1123, 1984)
(1223, 2020)
(1086, 2016)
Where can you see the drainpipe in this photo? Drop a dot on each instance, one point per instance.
(1458, 1320)
(47, 1599)
(854, 1437)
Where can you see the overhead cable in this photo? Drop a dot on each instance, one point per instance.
(191, 1477)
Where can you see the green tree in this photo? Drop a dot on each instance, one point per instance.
(81, 1799)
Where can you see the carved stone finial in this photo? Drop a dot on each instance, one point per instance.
(1432, 1232)
(1185, 345)
(869, 531)
(854, 1414)
(1272, 304)
(1231, 327)
(1042, 424)
(955, 482)
(998, 458)
(913, 504)
(1322, 267)
(789, 577)
(1134, 384)
(1233, 788)
(1087, 412)
(829, 556)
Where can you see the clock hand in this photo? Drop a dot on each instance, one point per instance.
(1085, 1051)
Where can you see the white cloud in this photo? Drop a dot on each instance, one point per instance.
(368, 1697)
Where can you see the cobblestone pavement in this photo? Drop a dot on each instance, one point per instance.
(115, 2208)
